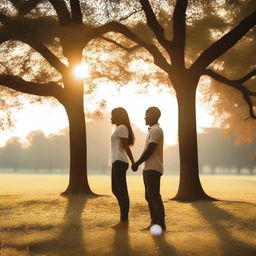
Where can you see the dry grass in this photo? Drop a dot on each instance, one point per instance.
(35, 220)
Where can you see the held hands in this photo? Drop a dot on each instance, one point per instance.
(135, 166)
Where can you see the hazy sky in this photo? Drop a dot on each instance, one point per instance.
(51, 119)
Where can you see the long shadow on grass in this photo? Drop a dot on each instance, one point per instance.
(229, 245)
(163, 248)
(71, 239)
(121, 244)
(70, 242)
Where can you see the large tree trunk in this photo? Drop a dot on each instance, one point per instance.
(190, 188)
(78, 181)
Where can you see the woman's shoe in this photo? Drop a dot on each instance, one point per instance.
(121, 225)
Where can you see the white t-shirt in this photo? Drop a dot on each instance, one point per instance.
(117, 150)
(155, 161)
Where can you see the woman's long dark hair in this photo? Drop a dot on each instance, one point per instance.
(122, 117)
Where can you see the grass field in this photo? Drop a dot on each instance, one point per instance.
(35, 220)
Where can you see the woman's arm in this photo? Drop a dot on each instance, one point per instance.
(127, 149)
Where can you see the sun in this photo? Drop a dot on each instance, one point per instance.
(82, 71)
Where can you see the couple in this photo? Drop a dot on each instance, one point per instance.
(121, 140)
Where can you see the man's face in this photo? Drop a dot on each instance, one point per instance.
(149, 118)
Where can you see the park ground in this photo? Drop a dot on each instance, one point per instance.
(36, 220)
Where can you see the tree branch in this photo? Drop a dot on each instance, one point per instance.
(247, 77)
(39, 89)
(159, 59)
(179, 32)
(129, 15)
(62, 11)
(49, 56)
(133, 48)
(7, 70)
(3, 18)
(237, 84)
(224, 43)
(154, 25)
(77, 16)
(24, 7)
(40, 47)
(4, 36)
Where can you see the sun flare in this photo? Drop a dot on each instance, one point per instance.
(82, 71)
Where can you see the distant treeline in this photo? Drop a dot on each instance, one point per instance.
(219, 154)
(51, 154)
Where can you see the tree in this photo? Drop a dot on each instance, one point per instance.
(184, 75)
(40, 51)
(61, 43)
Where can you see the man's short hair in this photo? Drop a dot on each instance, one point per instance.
(155, 111)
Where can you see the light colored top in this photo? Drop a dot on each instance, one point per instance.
(117, 149)
(155, 161)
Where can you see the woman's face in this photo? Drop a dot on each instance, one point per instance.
(113, 119)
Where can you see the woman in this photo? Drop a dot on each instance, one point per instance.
(121, 140)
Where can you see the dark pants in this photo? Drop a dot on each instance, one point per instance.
(151, 180)
(119, 187)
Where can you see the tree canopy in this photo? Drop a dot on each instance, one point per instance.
(31, 47)
(44, 40)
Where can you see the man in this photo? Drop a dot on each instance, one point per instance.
(153, 169)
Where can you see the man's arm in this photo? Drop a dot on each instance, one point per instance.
(145, 155)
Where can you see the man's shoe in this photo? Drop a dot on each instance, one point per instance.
(146, 228)
(163, 227)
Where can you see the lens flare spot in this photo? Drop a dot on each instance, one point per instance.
(82, 71)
